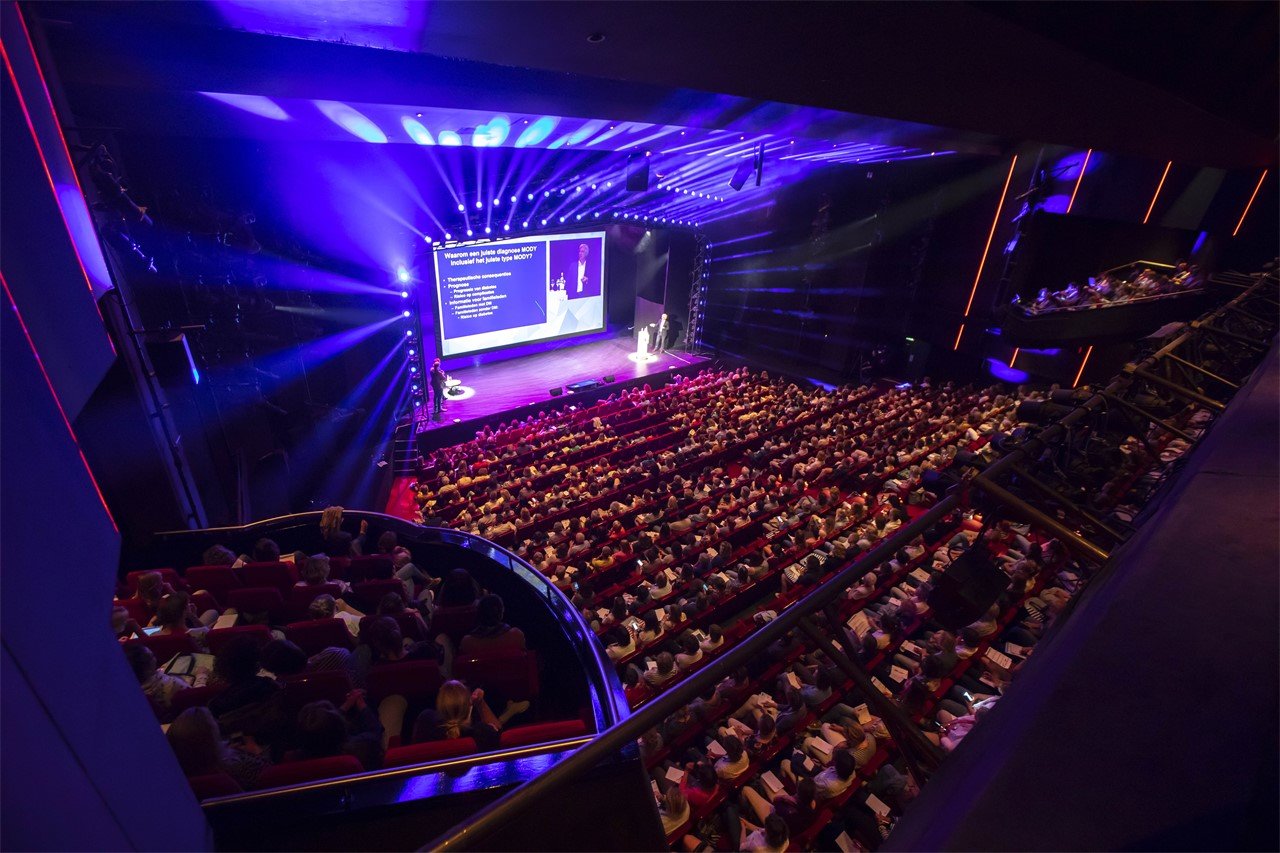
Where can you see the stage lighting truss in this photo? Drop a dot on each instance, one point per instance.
(701, 279)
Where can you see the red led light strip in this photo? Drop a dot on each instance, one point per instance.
(986, 249)
(1261, 178)
(1159, 187)
(1080, 177)
(1080, 372)
(57, 402)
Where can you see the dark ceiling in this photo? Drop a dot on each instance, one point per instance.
(1191, 82)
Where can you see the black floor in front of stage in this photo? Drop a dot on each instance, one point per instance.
(504, 389)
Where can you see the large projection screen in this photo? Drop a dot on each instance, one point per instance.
(508, 292)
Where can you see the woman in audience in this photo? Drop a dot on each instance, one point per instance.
(176, 615)
(249, 702)
(673, 809)
(338, 542)
(770, 838)
(198, 745)
(327, 607)
(460, 712)
(458, 589)
(314, 571)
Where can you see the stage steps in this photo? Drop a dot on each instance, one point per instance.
(404, 454)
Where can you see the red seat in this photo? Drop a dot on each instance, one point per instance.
(218, 580)
(165, 646)
(171, 577)
(219, 638)
(297, 772)
(315, 635)
(339, 568)
(372, 567)
(410, 623)
(435, 750)
(542, 732)
(203, 600)
(453, 621)
(259, 599)
(137, 609)
(213, 785)
(300, 690)
(279, 575)
(416, 680)
(512, 676)
(193, 697)
(370, 593)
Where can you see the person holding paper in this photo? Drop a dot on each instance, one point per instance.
(673, 809)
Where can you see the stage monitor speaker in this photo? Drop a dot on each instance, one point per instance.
(637, 173)
(611, 378)
(965, 591)
(584, 385)
(555, 392)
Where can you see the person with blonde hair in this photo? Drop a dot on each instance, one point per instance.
(338, 542)
(461, 712)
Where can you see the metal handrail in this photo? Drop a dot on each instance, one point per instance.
(473, 830)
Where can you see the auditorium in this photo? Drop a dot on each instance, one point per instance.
(658, 426)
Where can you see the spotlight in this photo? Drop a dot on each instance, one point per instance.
(513, 199)
(413, 368)
(578, 217)
(479, 205)
(562, 219)
(415, 387)
(528, 197)
(488, 230)
(404, 294)
(469, 232)
(402, 275)
(497, 201)
(596, 214)
(506, 227)
(608, 183)
(405, 314)
(545, 193)
(427, 238)
(448, 236)
(408, 333)
(412, 351)
(544, 222)
(462, 207)
(524, 224)
(593, 186)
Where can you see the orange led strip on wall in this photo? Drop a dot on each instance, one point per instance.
(1261, 178)
(1080, 177)
(1159, 187)
(987, 248)
(1080, 372)
(1014, 357)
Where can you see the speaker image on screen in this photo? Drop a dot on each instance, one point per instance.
(637, 173)
(965, 591)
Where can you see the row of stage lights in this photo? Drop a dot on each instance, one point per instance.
(404, 278)
(612, 216)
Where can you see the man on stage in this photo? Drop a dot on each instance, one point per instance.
(580, 279)
(438, 378)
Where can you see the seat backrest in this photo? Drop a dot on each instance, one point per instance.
(213, 785)
(296, 772)
(315, 635)
(512, 676)
(453, 621)
(220, 637)
(259, 599)
(371, 567)
(370, 593)
(165, 646)
(218, 580)
(416, 680)
(300, 690)
(300, 597)
(542, 732)
(411, 626)
(279, 575)
(136, 607)
(435, 750)
(171, 577)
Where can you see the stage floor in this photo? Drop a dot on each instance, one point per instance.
(498, 387)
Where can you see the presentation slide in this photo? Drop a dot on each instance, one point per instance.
(509, 292)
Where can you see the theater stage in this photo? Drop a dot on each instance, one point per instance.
(505, 388)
